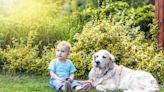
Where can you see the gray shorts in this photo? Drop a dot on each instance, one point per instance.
(58, 84)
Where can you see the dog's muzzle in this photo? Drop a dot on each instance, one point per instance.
(97, 63)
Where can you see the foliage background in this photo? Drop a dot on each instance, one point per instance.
(29, 30)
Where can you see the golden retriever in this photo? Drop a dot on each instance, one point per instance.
(107, 75)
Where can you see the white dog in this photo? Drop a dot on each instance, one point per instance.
(106, 75)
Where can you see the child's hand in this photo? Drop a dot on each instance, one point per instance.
(68, 80)
(62, 79)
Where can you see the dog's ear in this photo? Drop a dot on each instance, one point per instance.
(111, 60)
(93, 59)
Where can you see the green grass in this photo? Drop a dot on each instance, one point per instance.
(24, 84)
(162, 89)
(29, 83)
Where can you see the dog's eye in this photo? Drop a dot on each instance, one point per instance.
(96, 55)
(104, 57)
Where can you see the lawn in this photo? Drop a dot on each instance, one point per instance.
(29, 83)
(25, 83)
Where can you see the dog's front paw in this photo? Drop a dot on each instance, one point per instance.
(97, 82)
(101, 88)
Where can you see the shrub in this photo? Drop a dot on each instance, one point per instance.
(126, 42)
(134, 3)
(78, 19)
(143, 16)
(25, 57)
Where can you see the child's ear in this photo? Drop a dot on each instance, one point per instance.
(68, 53)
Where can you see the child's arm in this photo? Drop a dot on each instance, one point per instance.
(55, 76)
(71, 76)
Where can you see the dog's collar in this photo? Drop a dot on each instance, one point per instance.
(108, 71)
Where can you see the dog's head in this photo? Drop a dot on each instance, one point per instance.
(103, 59)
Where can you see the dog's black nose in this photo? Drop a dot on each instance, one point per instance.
(97, 62)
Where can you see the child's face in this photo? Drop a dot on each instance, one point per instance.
(62, 53)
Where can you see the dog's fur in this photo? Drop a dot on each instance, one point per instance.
(106, 75)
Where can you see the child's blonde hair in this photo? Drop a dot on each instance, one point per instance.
(65, 44)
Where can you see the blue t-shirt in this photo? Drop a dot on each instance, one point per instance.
(62, 70)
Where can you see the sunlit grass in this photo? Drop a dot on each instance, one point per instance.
(30, 83)
(24, 84)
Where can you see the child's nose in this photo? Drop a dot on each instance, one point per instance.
(60, 53)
